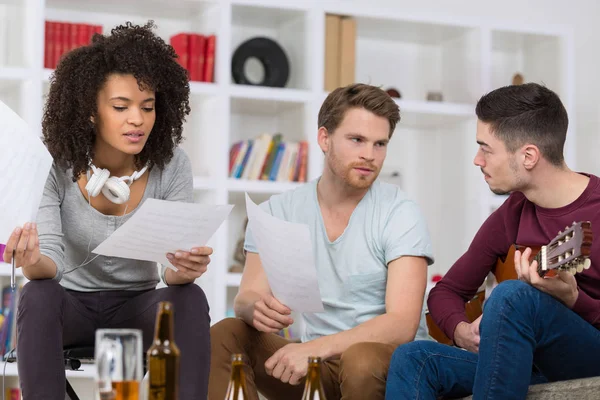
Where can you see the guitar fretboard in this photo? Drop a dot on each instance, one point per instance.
(541, 259)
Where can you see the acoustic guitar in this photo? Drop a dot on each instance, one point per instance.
(568, 251)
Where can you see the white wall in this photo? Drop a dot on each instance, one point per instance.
(582, 15)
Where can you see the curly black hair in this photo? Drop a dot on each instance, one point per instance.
(68, 131)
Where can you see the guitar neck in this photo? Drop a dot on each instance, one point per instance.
(541, 259)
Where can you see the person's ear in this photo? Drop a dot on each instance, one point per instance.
(531, 156)
(323, 139)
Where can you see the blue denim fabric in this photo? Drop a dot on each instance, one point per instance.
(527, 337)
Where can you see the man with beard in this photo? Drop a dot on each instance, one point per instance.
(372, 250)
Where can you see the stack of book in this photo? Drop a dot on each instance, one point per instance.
(62, 37)
(196, 53)
(268, 157)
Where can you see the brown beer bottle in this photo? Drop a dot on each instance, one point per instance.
(163, 357)
(236, 390)
(313, 389)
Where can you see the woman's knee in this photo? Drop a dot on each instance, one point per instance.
(46, 292)
(186, 298)
(40, 300)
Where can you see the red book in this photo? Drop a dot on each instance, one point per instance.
(58, 46)
(82, 35)
(197, 44)
(65, 38)
(73, 36)
(47, 25)
(209, 59)
(52, 43)
(180, 43)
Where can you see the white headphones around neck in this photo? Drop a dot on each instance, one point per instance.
(114, 189)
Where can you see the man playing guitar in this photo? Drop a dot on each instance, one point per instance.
(545, 324)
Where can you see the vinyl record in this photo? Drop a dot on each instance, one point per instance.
(270, 54)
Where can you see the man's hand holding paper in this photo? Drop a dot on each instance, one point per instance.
(286, 254)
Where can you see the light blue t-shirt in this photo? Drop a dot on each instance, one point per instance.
(352, 270)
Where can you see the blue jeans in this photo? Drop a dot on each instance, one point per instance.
(522, 330)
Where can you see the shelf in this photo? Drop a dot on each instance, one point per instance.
(249, 92)
(201, 183)
(14, 73)
(432, 114)
(201, 88)
(371, 24)
(281, 7)
(239, 185)
(415, 57)
(289, 28)
(538, 58)
(179, 9)
(251, 117)
(204, 88)
(233, 279)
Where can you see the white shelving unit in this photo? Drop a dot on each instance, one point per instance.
(434, 143)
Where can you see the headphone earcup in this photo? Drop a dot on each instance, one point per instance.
(97, 181)
(116, 190)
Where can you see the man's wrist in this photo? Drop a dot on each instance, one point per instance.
(574, 296)
(324, 347)
(458, 333)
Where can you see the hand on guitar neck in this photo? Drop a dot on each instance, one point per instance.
(561, 286)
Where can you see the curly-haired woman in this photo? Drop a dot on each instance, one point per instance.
(115, 107)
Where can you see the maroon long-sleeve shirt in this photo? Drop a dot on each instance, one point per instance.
(519, 221)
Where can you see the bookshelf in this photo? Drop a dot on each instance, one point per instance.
(434, 143)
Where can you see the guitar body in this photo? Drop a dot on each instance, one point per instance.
(503, 271)
(569, 251)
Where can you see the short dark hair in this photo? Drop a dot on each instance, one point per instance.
(81, 73)
(527, 113)
(359, 95)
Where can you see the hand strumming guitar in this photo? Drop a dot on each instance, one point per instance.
(466, 335)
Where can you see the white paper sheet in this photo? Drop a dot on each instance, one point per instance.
(286, 254)
(24, 166)
(162, 226)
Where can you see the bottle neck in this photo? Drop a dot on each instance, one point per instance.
(237, 371)
(314, 371)
(314, 375)
(164, 326)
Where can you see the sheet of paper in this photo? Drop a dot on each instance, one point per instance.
(287, 257)
(162, 226)
(24, 166)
